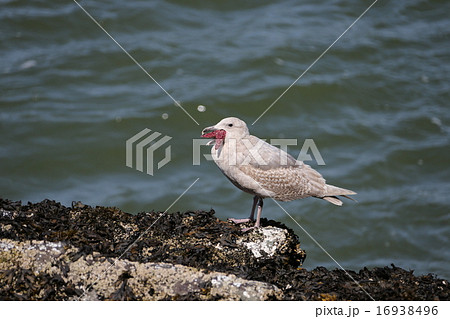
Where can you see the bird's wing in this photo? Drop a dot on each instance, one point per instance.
(286, 183)
(260, 154)
(278, 174)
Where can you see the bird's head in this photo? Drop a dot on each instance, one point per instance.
(230, 127)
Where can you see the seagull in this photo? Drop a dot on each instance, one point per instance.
(263, 170)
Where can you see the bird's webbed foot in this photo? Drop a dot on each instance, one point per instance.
(239, 221)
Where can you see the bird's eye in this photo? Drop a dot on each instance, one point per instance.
(230, 125)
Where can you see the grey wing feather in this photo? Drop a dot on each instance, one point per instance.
(283, 177)
(270, 157)
(287, 183)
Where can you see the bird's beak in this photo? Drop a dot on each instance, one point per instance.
(218, 136)
(207, 130)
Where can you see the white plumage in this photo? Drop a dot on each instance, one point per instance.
(263, 170)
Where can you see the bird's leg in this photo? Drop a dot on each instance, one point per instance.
(258, 216)
(252, 214)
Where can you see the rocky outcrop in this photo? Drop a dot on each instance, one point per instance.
(52, 252)
(93, 277)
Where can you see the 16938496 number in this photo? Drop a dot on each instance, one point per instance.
(407, 310)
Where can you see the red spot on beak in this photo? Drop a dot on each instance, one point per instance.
(218, 135)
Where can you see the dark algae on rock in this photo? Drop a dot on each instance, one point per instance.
(52, 252)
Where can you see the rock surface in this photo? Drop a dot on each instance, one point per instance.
(52, 252)
(95, 278)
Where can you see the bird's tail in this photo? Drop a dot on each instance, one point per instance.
(331, 193)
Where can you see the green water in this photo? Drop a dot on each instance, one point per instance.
(376, 106)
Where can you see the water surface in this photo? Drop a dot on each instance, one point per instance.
(376, 106)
